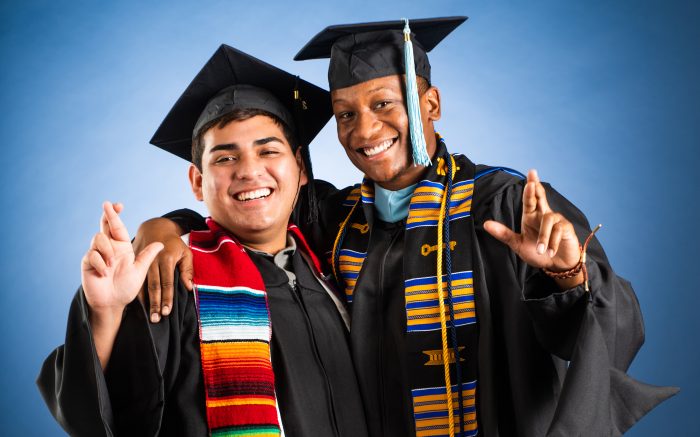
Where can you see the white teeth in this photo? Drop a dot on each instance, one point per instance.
(255, 194)
(371, 151)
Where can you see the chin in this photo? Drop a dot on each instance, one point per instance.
(387, 175)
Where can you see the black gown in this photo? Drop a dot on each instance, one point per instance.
(153, 384)
(549, 362)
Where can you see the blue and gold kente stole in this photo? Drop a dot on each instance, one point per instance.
(437, 255)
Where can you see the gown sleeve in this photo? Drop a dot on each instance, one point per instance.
(556, 314)
(187, 219)
(128, 397)
(598, 332)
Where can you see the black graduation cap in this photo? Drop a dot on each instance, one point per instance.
(365, 51)
(232, 79)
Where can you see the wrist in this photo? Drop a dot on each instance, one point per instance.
(160, 226)
(572, 282)
(106, 317)
(578, 274)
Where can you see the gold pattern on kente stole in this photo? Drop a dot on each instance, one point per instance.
(352, 198)
(430, 410)
(424, 209)
(427, 249)
(360, 227)
(435, 356)
(442, 167)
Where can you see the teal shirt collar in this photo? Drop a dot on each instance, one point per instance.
(392, 206)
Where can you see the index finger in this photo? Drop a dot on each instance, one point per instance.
(529, 193)
(539, 192)
(104, 224)
(113, 223)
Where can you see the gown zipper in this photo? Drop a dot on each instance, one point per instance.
(296, 293)
(392, 241)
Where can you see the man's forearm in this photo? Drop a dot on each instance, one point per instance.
(104, 325)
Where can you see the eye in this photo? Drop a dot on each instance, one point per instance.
(345, 115)
(383, 104)
(224, 159)
(269, 152)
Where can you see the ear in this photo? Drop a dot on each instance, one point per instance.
(303, 178)
(196, 182)
(430, 104)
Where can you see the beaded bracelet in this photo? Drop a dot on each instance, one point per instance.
(580, 266)
(566, 274)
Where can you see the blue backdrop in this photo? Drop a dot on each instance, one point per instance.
(601, 97)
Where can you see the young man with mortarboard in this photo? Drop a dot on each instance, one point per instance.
(532, 332)
(260, 347)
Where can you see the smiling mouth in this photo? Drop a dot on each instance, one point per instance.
(376, 149)
(246, 196)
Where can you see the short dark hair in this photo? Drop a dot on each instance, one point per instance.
(422, 84)
(229, 117)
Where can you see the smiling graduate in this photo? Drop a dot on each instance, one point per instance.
(260, 347)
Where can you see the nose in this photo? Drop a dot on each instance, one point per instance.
(249, 167)
(366, 126)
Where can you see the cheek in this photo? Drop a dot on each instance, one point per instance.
(343, 134)
(285, 173)
(399, 119)
(216, 183)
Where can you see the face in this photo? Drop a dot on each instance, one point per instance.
(373, 128)
(249, 181)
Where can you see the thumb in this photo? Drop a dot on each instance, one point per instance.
(186, 269)
(145, 258)
(503, 234)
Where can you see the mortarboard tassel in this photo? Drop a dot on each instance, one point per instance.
(299, 108)
(420, 154)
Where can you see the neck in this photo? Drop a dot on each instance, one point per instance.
(265, 243)
(412, 174)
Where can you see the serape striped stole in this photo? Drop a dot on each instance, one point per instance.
(234, 332)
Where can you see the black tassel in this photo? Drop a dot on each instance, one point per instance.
(299, 108)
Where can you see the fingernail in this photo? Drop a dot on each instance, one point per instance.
(165, 310)
(155, 318)
(540, 248)
(551, 253)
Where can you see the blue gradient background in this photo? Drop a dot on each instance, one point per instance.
(601, 97)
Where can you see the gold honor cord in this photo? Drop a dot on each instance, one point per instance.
(339, 237)
(445, 203)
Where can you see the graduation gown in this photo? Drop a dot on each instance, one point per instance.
(153, 384)
(549, 362)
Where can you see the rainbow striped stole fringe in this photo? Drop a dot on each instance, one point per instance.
(235, 332)
(437, 256)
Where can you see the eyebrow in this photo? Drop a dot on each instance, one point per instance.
(379, 88)
(372, 91)
(235, 146)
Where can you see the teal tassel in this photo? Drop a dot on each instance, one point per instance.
(415, 124)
